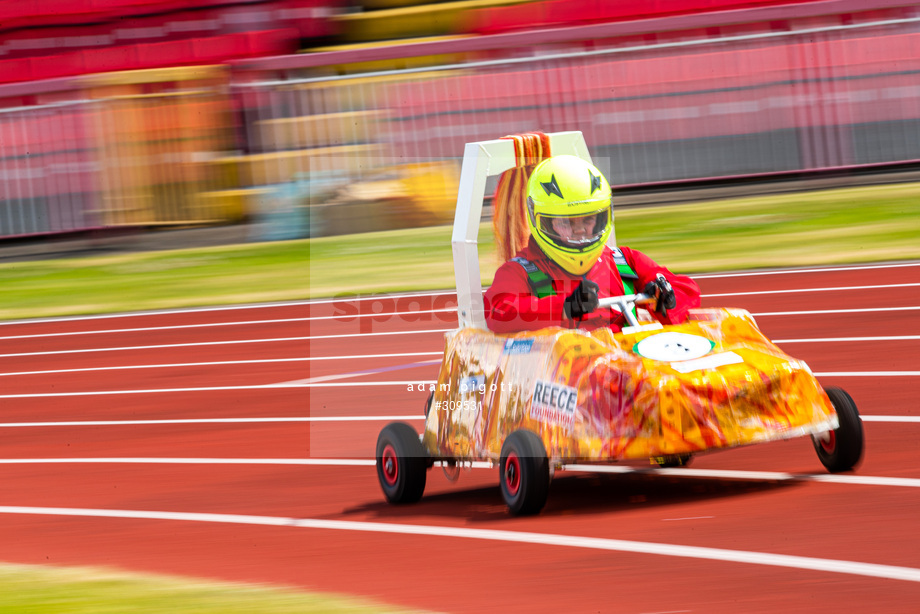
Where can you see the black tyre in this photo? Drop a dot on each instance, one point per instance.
(672, 461)
(524, 473)
(402, 463)
(841, 449)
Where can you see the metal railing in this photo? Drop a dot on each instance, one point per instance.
(382, 149)
(115, 151)
(814, 99)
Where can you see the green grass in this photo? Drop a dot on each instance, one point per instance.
(827, 227)
(80, 590)
(877, 223)
(824, 227)
(156, 280)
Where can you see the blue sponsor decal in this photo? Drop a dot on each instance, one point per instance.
(518, 346)
(473, 383)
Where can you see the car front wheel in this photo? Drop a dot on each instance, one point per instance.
(402, 463)
(842, 448)
(524, 473)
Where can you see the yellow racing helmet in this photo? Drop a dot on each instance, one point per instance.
(569, 211)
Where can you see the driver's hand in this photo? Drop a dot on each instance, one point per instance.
(661, 289)
(581, 302)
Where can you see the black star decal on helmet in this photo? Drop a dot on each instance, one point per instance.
(595, 181)
(551, 187)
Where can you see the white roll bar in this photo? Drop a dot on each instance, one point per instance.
(482, 160)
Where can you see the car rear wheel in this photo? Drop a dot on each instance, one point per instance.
(402, 463)
(842, 448)
(524, 473)
(673, 460)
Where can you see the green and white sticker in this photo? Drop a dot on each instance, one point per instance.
(673, 347)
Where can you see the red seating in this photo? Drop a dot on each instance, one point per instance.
(210, 50)
(44, 39)
(40, 13)
(50, 13)
(579, 12)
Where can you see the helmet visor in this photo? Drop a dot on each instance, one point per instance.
(576, 232)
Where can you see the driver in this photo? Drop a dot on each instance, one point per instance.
(557, 279)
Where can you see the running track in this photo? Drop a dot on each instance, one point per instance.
(237, 444)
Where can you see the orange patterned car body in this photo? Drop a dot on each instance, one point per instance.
(713, 382)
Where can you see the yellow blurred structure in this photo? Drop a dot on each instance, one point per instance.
(409, 19)
(157, 133)
(165, 149)
(403, 63)
(325, 130)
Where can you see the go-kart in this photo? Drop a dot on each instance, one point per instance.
(535, 402)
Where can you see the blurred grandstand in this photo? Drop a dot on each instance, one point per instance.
(315, 117)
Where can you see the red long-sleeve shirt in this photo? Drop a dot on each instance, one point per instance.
(512, 306)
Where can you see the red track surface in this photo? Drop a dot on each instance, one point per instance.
(871, 523)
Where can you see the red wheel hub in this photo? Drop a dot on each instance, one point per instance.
(390, 464)
(512, 474)
(828, 441)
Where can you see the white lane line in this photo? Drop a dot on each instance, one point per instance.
(899, 419)
(838, 269)
(342, 317)
(348, 317)
(681, 472)
(838, 339)
(210, 343)
(92, 393)
(284, 419)
(874, 570)
(688, 518)
(267, 420)
(162, 312)
(128, 460)
(142, 329)
(220, 308)
(815, 312)
(155, 347)
(345, 318)
(282, 386)
(835, 289)
(384, 333)
(224, 308)
(174, 365)
(410, 385)
(352, 316)
(220, 363)
(868, 374)
(365, 335)
(395, 315)
(769, 476)
(339, 376)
